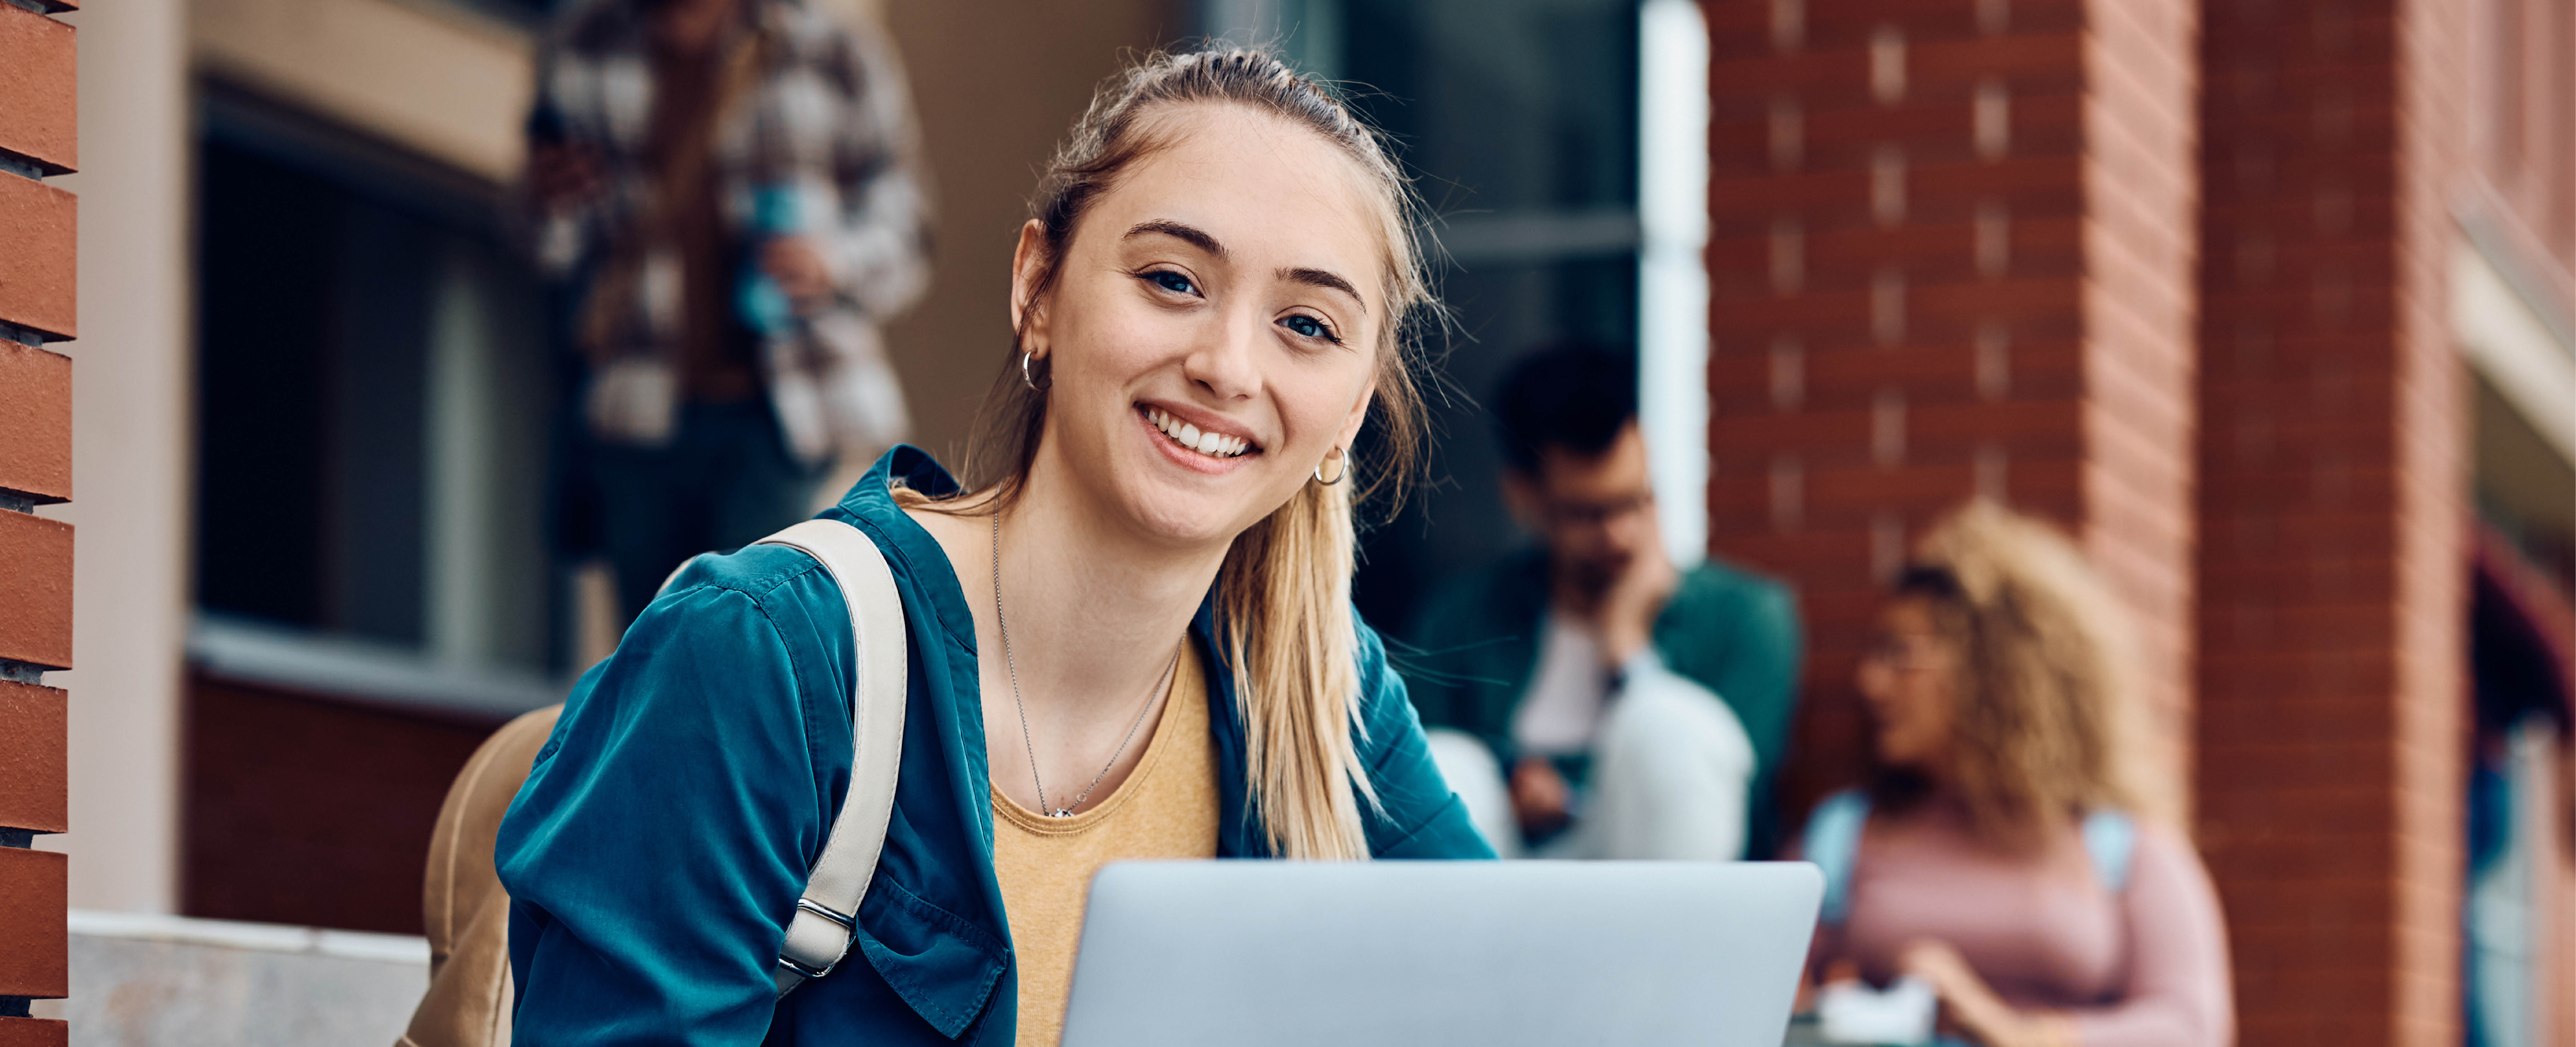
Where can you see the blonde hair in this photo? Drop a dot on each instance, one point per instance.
(1284, 619)
(2045, 726)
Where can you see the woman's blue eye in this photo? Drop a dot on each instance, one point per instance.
(1173, 282)
(1307, 326)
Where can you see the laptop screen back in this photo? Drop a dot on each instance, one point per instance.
(1490, 953)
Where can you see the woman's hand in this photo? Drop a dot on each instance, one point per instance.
(797, 264)
(1970, 1007)
(1625, 622)
(1540, 797)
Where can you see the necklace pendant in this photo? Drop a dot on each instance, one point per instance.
(1062, 812)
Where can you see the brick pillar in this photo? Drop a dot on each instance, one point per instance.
(37, 140)
(2333, 702)
(1951, 254)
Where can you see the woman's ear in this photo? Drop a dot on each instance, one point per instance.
(1028, 269)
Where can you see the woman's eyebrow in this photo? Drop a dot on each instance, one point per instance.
(1200, 239)
(1196, 236)
(1327, 280)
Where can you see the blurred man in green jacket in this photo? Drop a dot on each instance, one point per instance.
(1594, 700)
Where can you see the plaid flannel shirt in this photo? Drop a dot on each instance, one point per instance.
(826, 118)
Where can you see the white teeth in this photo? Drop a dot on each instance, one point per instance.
(1209, 442)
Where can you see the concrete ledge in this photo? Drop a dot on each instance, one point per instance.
(139, 979)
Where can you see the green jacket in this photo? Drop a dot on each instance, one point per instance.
(656, 852)
(1736, 633)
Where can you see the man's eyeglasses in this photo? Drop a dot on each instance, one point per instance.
(1596, 514)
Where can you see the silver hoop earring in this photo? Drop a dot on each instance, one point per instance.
(1338, 477)
(1029, 380)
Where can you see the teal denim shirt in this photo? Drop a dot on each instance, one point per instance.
(659, 845)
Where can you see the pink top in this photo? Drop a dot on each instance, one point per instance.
(2147, 966)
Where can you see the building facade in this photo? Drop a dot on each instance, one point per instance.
(2268, 301)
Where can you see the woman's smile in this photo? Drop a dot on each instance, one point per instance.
(1196, 443)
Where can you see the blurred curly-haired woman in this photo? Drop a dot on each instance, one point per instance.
(2006, 851)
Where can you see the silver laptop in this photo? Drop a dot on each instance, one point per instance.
(1488, 953)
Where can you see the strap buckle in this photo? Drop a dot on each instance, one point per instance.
(849, 927)
(848, 923)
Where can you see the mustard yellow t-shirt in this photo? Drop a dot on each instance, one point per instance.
(1167, 808)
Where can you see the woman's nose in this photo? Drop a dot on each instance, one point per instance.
(1223, 363)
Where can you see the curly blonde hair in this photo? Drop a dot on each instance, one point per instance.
(2045, 726)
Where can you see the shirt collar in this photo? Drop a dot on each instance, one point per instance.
(871, 505)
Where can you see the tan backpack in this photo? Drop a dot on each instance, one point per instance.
(462, 906)
(466, 913)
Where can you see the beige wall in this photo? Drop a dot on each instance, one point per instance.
(437, 79)
(130, 463)
(996, 82)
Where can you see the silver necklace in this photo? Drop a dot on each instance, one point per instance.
(1026, 738)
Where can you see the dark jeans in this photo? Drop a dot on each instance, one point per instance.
(725, 481)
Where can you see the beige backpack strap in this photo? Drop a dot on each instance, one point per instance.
(826, 919)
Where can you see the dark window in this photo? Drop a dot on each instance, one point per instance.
(372, 395)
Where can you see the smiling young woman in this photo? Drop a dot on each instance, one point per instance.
(1131, 629)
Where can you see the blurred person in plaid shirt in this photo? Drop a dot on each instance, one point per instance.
(724, 192)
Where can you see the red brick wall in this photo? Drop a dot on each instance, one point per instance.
(37, 272)
(2332, 702)
(2141, 195)
(312, 810)
(1951, 254)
